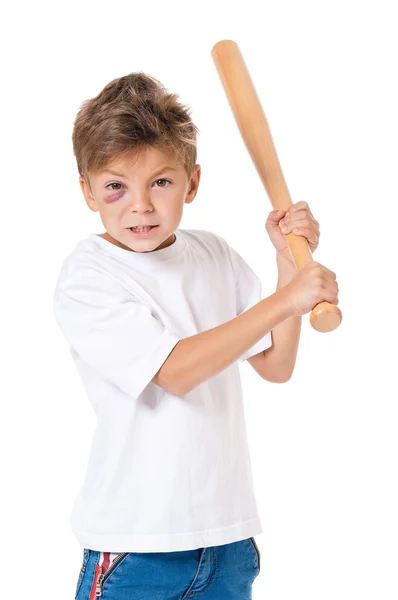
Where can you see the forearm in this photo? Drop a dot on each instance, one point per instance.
(199, 357)
(281, 358)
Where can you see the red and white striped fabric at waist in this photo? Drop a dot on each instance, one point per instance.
(106, 559)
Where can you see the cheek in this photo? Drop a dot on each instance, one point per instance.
(113, 197)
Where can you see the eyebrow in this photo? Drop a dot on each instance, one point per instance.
(160, 170)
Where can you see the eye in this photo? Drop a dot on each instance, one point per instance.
(113, 189)
(167, 180)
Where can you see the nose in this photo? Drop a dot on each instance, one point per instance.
(141, 203)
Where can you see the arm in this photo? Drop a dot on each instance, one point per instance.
(197, 358)
(276, 364)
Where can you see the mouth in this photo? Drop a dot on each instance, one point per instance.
(141, 231)
(140, 227)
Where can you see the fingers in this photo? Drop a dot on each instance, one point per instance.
(302, 228)
(300, 212)
(316, 265)
(298, 215)
(331, 294)
(300, 206)
(276, 215)
(297, 220)
(303, 225)
(328, 282)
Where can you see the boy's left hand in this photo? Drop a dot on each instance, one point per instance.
(298, 219)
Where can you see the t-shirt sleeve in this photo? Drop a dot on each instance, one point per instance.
(248, 293)
(111, 330)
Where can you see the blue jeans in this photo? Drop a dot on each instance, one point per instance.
(223, 572)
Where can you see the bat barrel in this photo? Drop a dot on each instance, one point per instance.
(251, 120)
(256, 134)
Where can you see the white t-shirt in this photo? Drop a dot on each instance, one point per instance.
(164, 473)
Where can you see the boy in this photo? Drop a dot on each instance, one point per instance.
(157, 318)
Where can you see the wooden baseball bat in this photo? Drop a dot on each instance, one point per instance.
(257, 137)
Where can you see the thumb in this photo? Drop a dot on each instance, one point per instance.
(275, 216)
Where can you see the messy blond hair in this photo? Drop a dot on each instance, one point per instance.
(131, 113)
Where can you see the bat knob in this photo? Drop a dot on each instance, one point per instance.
(325, 317)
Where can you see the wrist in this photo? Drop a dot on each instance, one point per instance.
(286, 269)
(284, 298)
(285, 262)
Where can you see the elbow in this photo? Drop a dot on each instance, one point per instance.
(284, 379)
(281, 377)
(178, 392)
(169, 381)
(170, 389)
(183, 388)
(178, 388)
(285, 374)
(174, 389)
(183, 383)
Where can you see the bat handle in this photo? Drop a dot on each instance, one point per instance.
(325, 316)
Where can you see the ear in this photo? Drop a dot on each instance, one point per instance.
(193, 185)
(90, 200)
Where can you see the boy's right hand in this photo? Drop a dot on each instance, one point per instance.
(312, 284)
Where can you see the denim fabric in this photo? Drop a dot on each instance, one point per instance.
(224, 572)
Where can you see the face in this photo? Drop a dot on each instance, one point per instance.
(144, 188)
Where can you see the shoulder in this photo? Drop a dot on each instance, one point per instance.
(205, 239)
(86, 266)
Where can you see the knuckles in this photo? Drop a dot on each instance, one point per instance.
(302, 204)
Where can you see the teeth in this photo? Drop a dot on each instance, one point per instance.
(141, 228)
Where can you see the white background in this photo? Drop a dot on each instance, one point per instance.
(324, 445)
